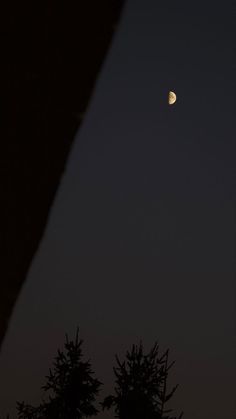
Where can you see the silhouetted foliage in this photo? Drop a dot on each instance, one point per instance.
(140, 390)
(141, 386)
(72, 389)
(26, 411)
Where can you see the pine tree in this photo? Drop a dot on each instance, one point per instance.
(141, 385)
(70, 387)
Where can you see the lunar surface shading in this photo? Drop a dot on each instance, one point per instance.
(172, 98)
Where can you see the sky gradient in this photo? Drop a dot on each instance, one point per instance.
(140, 242)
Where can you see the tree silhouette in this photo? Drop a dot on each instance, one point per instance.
(140, 390)
(141, 385)
(72, 389)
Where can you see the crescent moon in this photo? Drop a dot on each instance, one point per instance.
(172, 98)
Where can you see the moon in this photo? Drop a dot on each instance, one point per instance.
(172, 98)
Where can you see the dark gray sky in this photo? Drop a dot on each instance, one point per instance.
(141, 238)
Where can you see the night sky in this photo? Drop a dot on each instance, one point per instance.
(140, 242)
